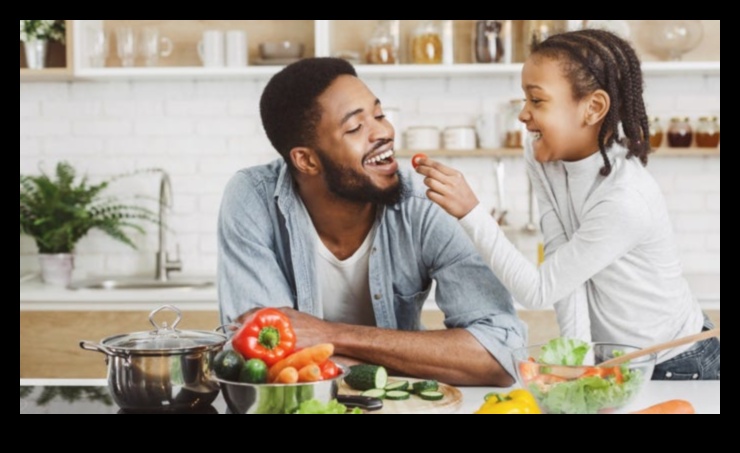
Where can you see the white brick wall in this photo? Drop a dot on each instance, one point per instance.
(201, 132)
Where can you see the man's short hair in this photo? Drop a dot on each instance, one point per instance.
(289, 108)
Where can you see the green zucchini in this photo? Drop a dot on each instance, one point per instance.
(431, 395)
(425, 386)
(374, 393)
(367, 377)
(397, 395)
(398, 385)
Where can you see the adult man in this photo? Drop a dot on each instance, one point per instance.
(333, 232)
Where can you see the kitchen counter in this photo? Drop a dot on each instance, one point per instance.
(34, 295)
(704, 395)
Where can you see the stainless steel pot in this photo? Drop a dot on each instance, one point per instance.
(165, 369)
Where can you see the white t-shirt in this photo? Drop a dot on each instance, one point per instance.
(612, 269)
(343, 285)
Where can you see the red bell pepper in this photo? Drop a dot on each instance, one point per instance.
(267, 335)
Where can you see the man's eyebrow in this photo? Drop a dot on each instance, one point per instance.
(355, 112)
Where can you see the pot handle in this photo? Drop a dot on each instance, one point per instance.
(233, 327)
(96, 347)
(164, 325)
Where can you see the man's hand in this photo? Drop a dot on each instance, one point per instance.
(309, 330)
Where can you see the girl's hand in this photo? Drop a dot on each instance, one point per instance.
(447, 187)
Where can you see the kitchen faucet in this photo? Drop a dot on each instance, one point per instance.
(164, 264)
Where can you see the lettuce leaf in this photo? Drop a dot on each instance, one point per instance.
(564, 351)
(316, 407)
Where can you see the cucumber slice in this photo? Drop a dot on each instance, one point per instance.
(374, 393)
(367, 377)
(397, 395)
(398, 385)
(425, 386)
(431, 395)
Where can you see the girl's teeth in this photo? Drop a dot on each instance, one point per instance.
(536, 135)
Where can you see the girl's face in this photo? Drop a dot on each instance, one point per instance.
(555, 120)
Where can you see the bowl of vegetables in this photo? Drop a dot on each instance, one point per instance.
(564, 377)
(261, 371)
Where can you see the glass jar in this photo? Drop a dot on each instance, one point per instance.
(707, 132)
(426, 43)
(680, 134)
(382, 47)
(492, 41)
(515, 129)
(656, 132)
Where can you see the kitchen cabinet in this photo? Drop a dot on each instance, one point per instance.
(49, 343)
(320, 37)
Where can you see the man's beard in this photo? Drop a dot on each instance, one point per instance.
(348, 184)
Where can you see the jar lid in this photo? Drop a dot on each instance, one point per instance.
(449, 128)
(708, 118)
(655, 119)
(427, 128)
(680, 118)
(165, 338)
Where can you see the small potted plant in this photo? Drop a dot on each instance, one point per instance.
(35, 36)
(58, 211)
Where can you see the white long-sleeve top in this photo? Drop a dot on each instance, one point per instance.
(612, 268)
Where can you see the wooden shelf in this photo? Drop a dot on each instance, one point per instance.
(518, 152)
(45, 75)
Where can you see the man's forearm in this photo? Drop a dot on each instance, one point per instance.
(453, 356)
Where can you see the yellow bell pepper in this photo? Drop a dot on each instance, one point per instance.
(516, 402)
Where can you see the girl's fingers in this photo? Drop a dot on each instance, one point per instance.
(426, 165)
(436, 185)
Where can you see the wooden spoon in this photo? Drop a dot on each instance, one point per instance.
(660, 347)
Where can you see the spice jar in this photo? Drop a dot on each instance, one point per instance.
(515, 129)
(426, 43)
(656, 132)
(680, 134)
(707, 132)
(382, 47)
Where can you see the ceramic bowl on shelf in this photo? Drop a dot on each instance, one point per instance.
(282, 50)
(586, 389)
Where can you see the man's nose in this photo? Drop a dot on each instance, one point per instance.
(381, 130)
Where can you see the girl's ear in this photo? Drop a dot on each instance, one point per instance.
(597, 107)
(305, 160)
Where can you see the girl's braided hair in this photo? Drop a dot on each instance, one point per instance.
(598, 59)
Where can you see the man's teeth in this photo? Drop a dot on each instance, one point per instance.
(380, 157)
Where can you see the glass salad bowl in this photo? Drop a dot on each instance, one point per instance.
(563, 380)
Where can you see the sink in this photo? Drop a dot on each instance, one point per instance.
(140, 283)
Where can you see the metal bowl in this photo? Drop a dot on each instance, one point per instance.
(243, 398)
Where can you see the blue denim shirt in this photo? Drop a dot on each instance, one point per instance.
(266, 258)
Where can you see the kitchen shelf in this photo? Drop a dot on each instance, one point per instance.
(59, 60)
(518, 152)
(322, 38)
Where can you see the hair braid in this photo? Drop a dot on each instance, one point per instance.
(598, 59)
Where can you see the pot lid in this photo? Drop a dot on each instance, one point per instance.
(165, 338)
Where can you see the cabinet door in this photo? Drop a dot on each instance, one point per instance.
(50, 340)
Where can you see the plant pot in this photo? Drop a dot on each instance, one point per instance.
(57, 269)
(36, 53)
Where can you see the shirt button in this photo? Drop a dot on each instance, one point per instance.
(695, 377)
(378, 296)
(668, 375)
(375, 250)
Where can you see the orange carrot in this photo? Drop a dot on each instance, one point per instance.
(298, 360)
(668, 407)
(288, 375)
(309, 373)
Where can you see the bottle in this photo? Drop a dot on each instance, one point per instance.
(707, 132)
(492, 41)
(515, 129)
(381, 47)
(656, 132)
(680, 134)
(426, 43)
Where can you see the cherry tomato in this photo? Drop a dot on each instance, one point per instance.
(329, 370)
(416, 158)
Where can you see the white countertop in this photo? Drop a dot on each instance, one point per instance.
(703, 395)
(35, 295)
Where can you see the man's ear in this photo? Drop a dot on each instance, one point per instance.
(597, 107)
(305, 160)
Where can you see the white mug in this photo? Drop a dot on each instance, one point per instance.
(211, 49)
(236, 48)
(459, 137)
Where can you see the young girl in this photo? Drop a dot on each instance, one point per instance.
(612, 269)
